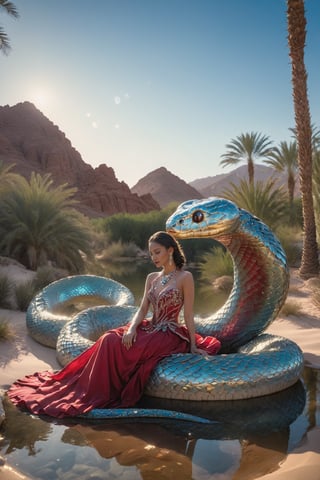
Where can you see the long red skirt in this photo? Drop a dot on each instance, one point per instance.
(107, 375)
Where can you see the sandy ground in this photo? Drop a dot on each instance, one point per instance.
(22, 355)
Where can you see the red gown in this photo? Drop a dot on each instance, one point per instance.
(107, 375)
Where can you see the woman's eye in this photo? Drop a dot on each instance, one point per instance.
(198, 216)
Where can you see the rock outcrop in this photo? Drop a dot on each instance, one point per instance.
(165, 187)
(33, 143)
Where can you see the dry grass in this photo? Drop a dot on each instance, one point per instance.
(5, 331)
(24, 293)
(291, 308)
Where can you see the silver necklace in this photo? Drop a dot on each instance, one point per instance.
(166, 278)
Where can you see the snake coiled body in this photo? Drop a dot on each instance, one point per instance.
(251, 363)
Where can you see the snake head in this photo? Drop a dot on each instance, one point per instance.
(210, 217)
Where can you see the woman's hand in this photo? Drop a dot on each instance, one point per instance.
(197, 351)
(129, 337)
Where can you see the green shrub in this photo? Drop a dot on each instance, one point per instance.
(129, 228)
(135, 229)
(291, 241)
(117, 250)
(215, 263)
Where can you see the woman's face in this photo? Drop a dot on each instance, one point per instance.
(159, 254)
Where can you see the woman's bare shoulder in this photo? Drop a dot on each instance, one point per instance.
(185, 275)
(151, 277)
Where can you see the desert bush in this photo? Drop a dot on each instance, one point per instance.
(5, 330)
(46, 275)
(24, 293)
(291, 241)
(215, 263)
(137, 228)
(5, 292)
(129, 228)
(117, 250)
(291, 308)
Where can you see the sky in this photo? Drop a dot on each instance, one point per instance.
(143, 84)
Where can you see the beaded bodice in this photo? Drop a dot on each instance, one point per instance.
(167, 303)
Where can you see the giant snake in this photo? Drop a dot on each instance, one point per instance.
(251, 363)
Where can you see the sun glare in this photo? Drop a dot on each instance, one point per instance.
(41, 98)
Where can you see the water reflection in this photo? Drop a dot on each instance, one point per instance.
(246, 439)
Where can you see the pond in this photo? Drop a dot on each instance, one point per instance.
(244, 439)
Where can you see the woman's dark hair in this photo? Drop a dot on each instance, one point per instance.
(167, 241)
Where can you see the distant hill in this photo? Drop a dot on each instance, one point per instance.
(165, 187)
(211, 186)
(33, 143)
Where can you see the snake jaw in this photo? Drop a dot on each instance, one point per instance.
(200, 219)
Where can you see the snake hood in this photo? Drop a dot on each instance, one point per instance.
(261, 275)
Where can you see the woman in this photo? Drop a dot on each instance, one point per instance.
(113, 372)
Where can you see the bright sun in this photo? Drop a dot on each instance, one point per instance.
(41, 97)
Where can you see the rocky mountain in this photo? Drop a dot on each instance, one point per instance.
(33, 143)
(215, 185)
(165, 187)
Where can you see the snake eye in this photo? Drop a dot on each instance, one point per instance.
(197, 216)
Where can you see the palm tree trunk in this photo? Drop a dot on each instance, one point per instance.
(296, 40)
(291, 187)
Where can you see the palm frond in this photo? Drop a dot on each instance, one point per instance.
(264, 200)
(9, 7)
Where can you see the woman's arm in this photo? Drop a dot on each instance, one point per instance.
(130, 335)
(188, 295)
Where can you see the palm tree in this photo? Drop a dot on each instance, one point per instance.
(7, 178)
(247, 147)
(285, 159)
(262, 199)
(9, 8)
(315, 136)
(296, 40)
(38, 224)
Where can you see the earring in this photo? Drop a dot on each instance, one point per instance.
(170, 259)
